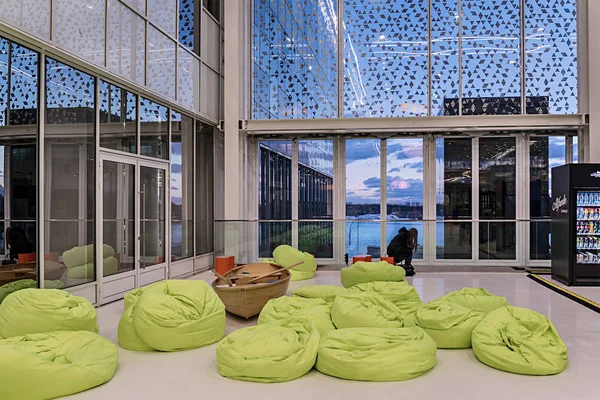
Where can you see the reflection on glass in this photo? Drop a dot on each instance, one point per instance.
(275, 195)
(70, 171)
(497, 241)
(363, 197)
(118, 118)
(154, 135)
(453, 241)
(545, 153)
(213, 7)
(575, 149)
(18, 168)
(118, 216)
(315, 197)
(393, 228)
(204, 189)
(152, 216)
(497, 172)
(405, 179)
(453, 178)
(182, 186)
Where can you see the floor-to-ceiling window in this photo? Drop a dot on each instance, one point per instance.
(405, 189)
(18, 164)
(363, 197)
(275, 195)
(70, 171)
(453, 197)
(315, 197)
(545, 153)
(182, 186)
(497, 198)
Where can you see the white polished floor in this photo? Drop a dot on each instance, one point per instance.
(458, 375)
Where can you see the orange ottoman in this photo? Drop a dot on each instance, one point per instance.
(390, 260)
(223, 264)
(366, 258)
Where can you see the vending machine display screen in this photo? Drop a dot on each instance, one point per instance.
(588, 227)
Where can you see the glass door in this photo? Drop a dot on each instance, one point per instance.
(133, 229)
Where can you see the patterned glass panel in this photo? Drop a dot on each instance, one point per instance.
(126, 42)
(294, 54)
(23, 86)
(154, 135)
(551, 56)
(32, 16)
(491, 57)
(386, 73)
(139, 5)
(163, 13)
(69, 94)
(161, 63)
(444, 57)
(188, 77)
(186, 23)
(80, 28)
(4, 44)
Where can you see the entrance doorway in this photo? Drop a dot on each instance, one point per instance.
(133, 230)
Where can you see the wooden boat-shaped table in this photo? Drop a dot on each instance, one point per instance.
(246, 289)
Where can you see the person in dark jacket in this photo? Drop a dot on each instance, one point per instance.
(401, 248)
(18, 242)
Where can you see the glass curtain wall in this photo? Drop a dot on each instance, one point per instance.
(19, 82)
(182, 186)
(275, 195)
(70, 172)
(315, 197)
(545, 153)
(363, 197)
(405, 189)
(454, 190)
(497, 198)
(470, 64)
(205, 180)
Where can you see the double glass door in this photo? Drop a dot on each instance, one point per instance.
(133, 230)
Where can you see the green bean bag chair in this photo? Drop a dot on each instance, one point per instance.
(173, 315)
(317, 310)
(285, 256)
(275, 352)
(365, 310)
(15, 286)
(45, 310)
(376, 354)
(50, 365)
(132, 297)
(449, 324)
(325, 292)
(520, 341)
(401, 294)
(80, 261)
(364, 272)
(475, 298)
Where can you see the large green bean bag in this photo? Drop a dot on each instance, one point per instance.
(449, 324)
(285, 256)
(325, 292)
(317, 310)
(475, 298)
(50, 365)
(132, 297)
(80, 261)
(173, 315)
(365, 310)
(520, 341)
(401, 294)
(275, 352)
(15, 286)
(376, 354)
(364, 272)
(45, 310)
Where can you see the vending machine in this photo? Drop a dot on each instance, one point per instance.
(576, 224)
